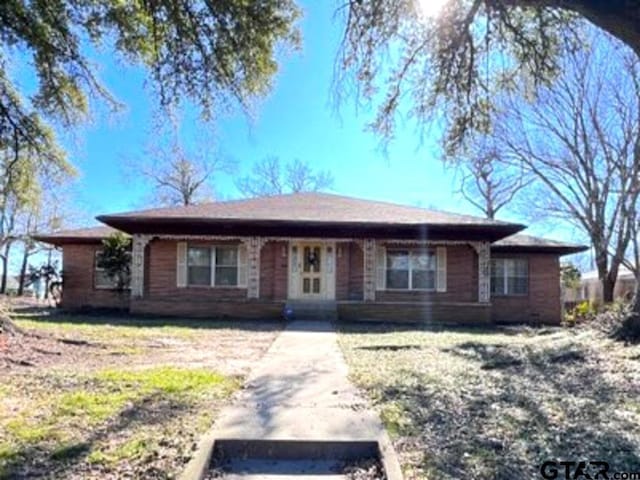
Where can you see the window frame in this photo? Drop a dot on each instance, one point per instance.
(97, 270)
(505, 277)
(213, 265)
(430, 251)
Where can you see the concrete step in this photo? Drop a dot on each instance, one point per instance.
(289, 459)
(314, 310)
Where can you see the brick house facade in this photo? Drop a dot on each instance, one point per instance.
(369, 260)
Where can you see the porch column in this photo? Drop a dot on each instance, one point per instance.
(369, 250)
(483, 249)
(254, 245)
(139, 242)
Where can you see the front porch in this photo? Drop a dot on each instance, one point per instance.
(367, 279)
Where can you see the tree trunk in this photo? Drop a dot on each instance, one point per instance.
(630, 330)
(608, 288)
(47, 281)
(5, 268)
(23, 271)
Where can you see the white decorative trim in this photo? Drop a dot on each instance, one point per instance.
(254, 246)
(137, 264)
(483, 249)
(369, 249)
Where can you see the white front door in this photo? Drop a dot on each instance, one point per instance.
(312, 271)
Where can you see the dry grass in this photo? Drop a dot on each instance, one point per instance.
(497, 404)
(130, 403)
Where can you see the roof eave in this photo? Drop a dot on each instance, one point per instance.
(64, 240)
(183, 225)
(555, 249)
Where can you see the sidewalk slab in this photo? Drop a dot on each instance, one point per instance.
(300, 391)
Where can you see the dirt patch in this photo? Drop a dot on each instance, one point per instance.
(116, 397)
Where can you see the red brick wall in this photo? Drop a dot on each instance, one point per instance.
(462, 280)
(349, 271)
(542, 303)
(274, 268)
(79, 290)
(161, 283)
(411, 312)
(203, 308)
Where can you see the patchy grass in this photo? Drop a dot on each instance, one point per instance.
(85, 421)
(131, 403)
(497, 404)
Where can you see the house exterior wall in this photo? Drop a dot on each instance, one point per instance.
(591, 289)
(274, 266)
(349, 271)
(416, 312)
(542, 303)
(79, 286)
(459, 304)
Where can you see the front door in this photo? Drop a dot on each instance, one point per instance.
(312, 273)
(312, 270)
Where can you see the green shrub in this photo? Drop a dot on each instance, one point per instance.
(583, 312)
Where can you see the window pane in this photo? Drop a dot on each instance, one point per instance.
(226, 276)
(398, 260)
(397, 278)
(497, 285)
(497, 267)
(521, 267)
(423, 261)
(518, 285)
(102, 280)
(199, 256)
(226, 256)
(199, 275)
(423, 279)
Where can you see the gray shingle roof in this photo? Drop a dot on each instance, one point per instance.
(309, 207)
(86, 235)
(524, 242)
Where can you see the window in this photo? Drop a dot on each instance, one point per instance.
(101, 279)
(411, 270)
(199, 266)
(509, 276)
(213, 266)
(226, 272)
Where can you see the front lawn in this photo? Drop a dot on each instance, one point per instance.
(497, 404)
(119, 397)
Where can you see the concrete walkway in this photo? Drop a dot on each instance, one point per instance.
(300, 390)
(298, 395)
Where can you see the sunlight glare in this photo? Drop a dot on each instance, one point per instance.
(430, 8)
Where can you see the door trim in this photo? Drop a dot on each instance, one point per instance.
(328, 270)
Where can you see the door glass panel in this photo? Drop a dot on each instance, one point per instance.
(294, 259)
(306, 285)
(317, 261)
(316, 285)
(306, 264)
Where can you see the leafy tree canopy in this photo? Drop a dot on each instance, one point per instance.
(115, 258)
(450, 66)
(211, 52)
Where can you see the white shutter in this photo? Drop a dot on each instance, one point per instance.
(181, 268)
(381, 268)
(441, 265)
(242, 266)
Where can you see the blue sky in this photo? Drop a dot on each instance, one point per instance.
(297, 120)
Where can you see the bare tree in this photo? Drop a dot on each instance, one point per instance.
(270, 177)
(178, 175)
(488, 184)
(580, 140)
